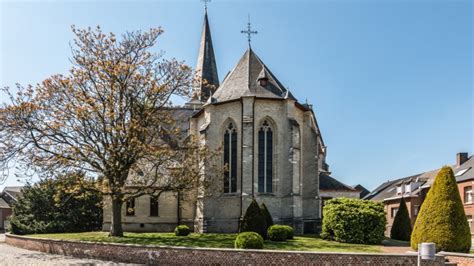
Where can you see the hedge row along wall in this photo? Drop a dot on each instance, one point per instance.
(202, 256)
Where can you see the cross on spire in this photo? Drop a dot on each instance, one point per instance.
(249, 31)
(205, 3)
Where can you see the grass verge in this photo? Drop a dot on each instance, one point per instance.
(300, 243)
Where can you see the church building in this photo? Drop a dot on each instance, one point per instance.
(271, 146)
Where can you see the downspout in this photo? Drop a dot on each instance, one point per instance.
(241, 160)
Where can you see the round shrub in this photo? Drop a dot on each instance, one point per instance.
(182, 230)
(354, 221)
(277, 233)
(249, 240)
(290, 232)
(442, 219)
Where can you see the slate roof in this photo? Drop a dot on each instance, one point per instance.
(13, 191)
(387, 190)
(362, 189)
(465, 171)
(206, 68)
(243, 81)
(329, 183)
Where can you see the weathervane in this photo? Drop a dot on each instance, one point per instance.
(249, 31)
(205, 3)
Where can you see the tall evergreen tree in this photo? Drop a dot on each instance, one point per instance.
(401, 227)
(254, 220)
(266, 213)
(442, 219)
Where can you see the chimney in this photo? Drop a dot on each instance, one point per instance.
(461, 158)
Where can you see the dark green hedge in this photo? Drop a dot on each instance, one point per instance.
(442, 219)
(401, 227)
(56, 205)
(354, 221)
(254, 220)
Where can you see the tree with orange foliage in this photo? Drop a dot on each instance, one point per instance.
(110, 117)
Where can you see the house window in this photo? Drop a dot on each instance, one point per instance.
(394, 212)
(230, 159)
(130, 207)
(265, 158)
(416, 209)
(153, 206)
(469, 220)
(468, 195)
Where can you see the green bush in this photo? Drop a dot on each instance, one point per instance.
(182, 230)
(277, 233)
(442, 219)
(354, 221)
(249, 240)
(290, 232)
(401, 227)
(55, 205)
(254, 220)
(268, 216)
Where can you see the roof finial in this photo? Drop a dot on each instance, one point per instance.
(205, 4)
(249, 31)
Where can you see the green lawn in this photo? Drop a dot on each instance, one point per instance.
(301, 243)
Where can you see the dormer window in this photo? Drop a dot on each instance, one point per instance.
(262, 78)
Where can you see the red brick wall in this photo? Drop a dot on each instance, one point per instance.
(468, 207)
(203, 256)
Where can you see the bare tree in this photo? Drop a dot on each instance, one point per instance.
(110, 117)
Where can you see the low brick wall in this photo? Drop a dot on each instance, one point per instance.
(459, 258)
(192, 256)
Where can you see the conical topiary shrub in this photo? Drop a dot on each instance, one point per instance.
(442, 219)
(268, 216)
(401, 227)
(254, 220)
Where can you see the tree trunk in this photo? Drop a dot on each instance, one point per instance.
(116, 223)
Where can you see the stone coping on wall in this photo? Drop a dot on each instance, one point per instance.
(152, 254)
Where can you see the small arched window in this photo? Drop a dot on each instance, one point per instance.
(230, 159)
(265, 158)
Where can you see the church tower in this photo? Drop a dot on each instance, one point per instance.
(206, 69)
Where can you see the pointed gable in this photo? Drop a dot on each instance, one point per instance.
(243, 80)
(206, 68)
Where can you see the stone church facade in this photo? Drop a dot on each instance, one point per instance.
(271, 146)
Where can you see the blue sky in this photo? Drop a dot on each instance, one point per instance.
(391, 81)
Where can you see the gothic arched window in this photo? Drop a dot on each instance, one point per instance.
(265, 158)
(230, 159)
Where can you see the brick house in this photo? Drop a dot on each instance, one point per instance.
(330, 188)
(8, 196)
(415, 188)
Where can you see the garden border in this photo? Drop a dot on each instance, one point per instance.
(151, 254)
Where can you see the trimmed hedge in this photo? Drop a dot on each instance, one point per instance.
(277, 233)
(182, 230)
(249, 240)
(290, 232)
(401, 227)
(268, 216)
(254, 220)
(442, 219)
(354, 221)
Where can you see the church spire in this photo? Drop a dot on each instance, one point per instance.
(206, 69)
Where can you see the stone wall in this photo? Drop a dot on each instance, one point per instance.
(204, 256)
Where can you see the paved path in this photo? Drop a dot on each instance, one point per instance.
(10, 255)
